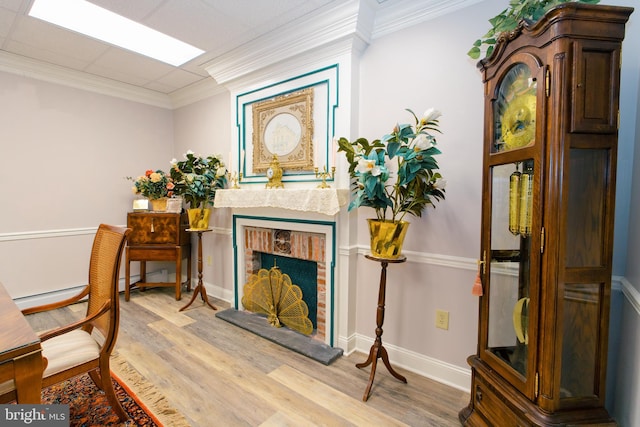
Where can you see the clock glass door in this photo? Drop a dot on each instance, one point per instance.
(510, 264)
(512, 221)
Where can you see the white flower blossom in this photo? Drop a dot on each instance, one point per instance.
(366, 165)
(422, 142)
(430, 115)
(440, 183)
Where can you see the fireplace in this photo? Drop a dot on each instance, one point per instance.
(311, 220)
(297, 251)
(260, 240)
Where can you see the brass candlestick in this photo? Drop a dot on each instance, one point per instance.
(235, 179)
(324, 175)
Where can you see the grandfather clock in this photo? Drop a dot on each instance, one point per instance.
(550, 147)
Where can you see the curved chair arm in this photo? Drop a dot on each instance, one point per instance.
(54, 305)
(77, 324)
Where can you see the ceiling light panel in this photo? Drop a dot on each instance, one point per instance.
(102, 24)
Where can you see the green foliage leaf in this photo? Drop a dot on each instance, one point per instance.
(508, 20)
(392, 149)
(403, 178)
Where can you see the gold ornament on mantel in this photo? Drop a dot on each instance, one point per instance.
(235, 179)
(274, 173)
(324, 175)
(272, 293)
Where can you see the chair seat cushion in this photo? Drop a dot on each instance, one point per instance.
(68, 350)
(63, 352)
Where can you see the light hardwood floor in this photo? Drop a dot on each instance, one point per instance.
(217, 374)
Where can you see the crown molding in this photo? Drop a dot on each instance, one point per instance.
(353, 20)
(298, 65)
(26, 67)
(195, 92)
(357, 19)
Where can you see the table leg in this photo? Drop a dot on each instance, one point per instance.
(28, 371)
(179, 274)
(189, 271)
(127, 277)
(143, 274)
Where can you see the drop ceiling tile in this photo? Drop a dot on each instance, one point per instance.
(56, 58)
(270, 13)
(200, 25)
(14, 5)
(129, 63)
(57, 40)
(6, 21)
(135, 10)
(118, 75)
(159, 87)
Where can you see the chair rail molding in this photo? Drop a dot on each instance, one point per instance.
(630, 292)
(47, 234)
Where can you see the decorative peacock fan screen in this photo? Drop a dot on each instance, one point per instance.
(270, 292)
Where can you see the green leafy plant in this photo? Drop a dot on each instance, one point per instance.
(197, 178)
(153, 185)
(398, 174)
(507, 20)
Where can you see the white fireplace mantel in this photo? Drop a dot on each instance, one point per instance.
(326, 201)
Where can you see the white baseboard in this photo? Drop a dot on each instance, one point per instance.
(62, 294)
(435, 369)
(348, 345)
(216, 291)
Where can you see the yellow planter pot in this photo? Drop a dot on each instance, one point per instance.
(199, 218)
(387, 237)
(158, 205)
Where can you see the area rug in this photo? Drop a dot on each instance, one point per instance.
(88, 406)
(145, 405)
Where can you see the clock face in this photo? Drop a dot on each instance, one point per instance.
(515, 110)
(270, 173)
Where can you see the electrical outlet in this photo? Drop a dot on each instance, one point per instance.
(209, 260)
(442, 319)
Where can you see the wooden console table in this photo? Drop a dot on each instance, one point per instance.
(158, 236)
(20, 352)
(377, 350)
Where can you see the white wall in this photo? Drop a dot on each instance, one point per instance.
(204, 127)
(418, 68)
(65, 154)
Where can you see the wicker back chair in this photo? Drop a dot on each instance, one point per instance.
(85, 346)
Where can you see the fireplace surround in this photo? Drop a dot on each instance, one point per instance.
(308, 240)
(295, 245)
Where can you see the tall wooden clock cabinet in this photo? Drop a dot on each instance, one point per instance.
(550, 147)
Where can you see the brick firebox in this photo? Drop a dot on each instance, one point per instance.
(294, 244)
